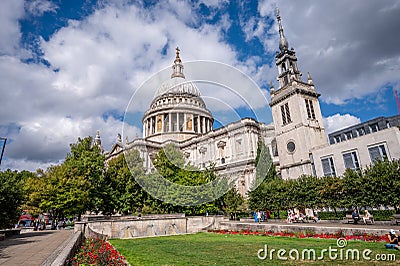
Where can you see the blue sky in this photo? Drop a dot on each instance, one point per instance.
(69, 68)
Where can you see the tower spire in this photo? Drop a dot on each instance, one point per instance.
(309, 79)
(177, 68)
(97, 139)
(283, 43)
(271, 88)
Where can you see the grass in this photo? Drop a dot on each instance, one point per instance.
(217, 249)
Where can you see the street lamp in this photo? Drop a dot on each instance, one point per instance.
(2, 149)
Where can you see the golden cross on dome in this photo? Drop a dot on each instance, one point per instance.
(177, 58)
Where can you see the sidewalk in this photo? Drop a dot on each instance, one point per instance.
(31, 248)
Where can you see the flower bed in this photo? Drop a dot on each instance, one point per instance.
(97, 252)
(339, 234)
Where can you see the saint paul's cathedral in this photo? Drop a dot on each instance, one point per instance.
(296, 139)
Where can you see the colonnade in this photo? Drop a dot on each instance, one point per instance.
(176, 122)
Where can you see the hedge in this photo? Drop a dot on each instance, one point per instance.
(379, 215)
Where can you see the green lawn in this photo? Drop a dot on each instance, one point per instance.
(218, 249)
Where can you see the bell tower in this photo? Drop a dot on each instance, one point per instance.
(296, 113)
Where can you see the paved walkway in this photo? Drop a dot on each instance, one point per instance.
(31, 248)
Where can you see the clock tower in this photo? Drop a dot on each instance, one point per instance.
(296, 113)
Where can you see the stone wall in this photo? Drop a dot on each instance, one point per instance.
(183, 225)
(131, 228)
(318, 228)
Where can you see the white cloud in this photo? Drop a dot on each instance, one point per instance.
(38, 7)
(97, 63)
(24, 164)
(350, 47)
(338, 121)
(95, 66)
(214, 3)
(46, 140)
(266, 8)
(10, 12)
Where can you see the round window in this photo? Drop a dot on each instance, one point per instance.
(291, 146)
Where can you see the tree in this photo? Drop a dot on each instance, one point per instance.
(331, 192)
(381, 184)
(37, 192)
(261, 191)
(66, 194)
(72, 188)
(85, 165)
(263, 164)
(352, 186)
(11, 197)
(233, 201)
(280, 195)
(124, 193)
(265, 195)
(180, 187)
(306, 192)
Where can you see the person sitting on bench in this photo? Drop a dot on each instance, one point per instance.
(368, 217)
(355, 215)
(393, 240)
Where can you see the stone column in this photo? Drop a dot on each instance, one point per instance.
(255, 142)
(198, 124)
(184, 122)
(149, 133)
(170, 122)
(177, 122)
(162, 123)
(250, 143)
(204, 125)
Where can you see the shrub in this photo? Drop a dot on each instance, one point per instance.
(97, 252)
(383, 215)
(379, 215)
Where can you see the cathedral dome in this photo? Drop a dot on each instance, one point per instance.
(177, 111)
(177, 85)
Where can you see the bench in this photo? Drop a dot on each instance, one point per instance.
(369, 220)
(396, 218)
(304, 219)
(349, 219)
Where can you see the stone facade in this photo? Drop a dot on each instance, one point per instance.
(179, 115)
(232, 149)
(296, 140)
(131, 227)
(357, 152)
(296, 113)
